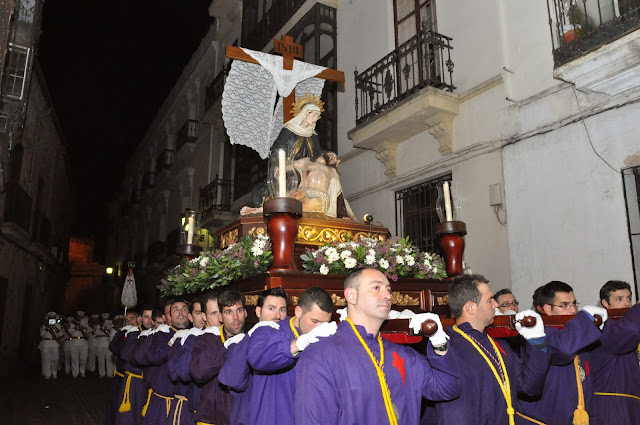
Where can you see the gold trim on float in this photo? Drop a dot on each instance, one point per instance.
(398, 298)
(228, 238)
(251, 299)
(442, 300)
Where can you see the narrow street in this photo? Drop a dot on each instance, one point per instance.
(28, 399)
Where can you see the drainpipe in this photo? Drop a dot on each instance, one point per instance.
(35, 144)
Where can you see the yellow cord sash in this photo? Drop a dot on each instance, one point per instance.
(386, 394)
(293, 329)
(504, 386)
(620, 395)
(125, 406)
(177, 413)
(222, 334)
(580, 415)
(146, 405)
(116, 373)
(167, 401)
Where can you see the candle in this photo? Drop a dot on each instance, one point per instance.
(192, 225)
(282, 180)
(447, 201)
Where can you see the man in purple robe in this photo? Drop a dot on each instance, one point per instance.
(357, 377)
(491, 373)
(616, 373)
(186, 392)
(132, 394)
(208, 355)
(161, 385)
(236, 372)
(115, 346)
(274, 350)
(568, 390)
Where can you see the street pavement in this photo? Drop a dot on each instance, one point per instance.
(26, 398)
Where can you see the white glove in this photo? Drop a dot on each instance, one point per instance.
(438, 338)
(269, 323)
(178, 334)
(193, 331)
(498, 312)
(528, 333)
(593, 310)
(233, 340)
(320, 331)
(343, 314)
(212, 330)
(145, 332)
(132, 329)
(163, 328)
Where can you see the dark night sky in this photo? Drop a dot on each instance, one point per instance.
(109, 65)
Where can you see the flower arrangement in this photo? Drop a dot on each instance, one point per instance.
(394, 257)
(250, 256)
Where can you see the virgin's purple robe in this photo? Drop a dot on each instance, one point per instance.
(482, 401)
(615, 369)
(115, 346)
(560, 397)
(178, 363)
(336, 381)
(214, 406)
(157, 356)
(274, 380)
(137, 392)
(236, 374)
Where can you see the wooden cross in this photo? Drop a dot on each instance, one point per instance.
(289, 50)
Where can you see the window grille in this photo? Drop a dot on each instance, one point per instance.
(15, 72)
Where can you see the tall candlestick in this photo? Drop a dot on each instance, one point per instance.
(447, 201)
(192, 225)
(282, 179)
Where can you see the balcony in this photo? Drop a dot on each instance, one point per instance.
(187, 134)
(595, 43)
(213, 95)
(149, 180)
(216, 196)
(164, 160)
(17, 212)
(408, 88)
(260, 27)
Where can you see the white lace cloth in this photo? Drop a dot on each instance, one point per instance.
(249, 109)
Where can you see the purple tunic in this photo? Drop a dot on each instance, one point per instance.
(616, 370)
(560, 398)
(482, 401)
(137, 391)
(274, 380)
(337, 382)
(115, 346)
(236, 374)
(178, 363)
(157, 356)
(214, 406)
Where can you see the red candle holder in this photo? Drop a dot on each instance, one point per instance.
(188, 250)
(282, 225)
(451, 235)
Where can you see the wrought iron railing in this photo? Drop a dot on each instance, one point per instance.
(423, 60)
(579, 26)
(258, 27)
(216, 196)
(17, 206)
(215, 89)
(187, 134)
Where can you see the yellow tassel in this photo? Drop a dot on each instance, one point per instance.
(580, 417)
(146, 406)
(125, 407)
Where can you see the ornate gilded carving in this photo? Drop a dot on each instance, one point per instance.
(338, 301)
(257, 231)
(398, 298)
(294, 301)
(321, 235)
(441, 127)
(444, 300)
(228, 238)
(251, 299)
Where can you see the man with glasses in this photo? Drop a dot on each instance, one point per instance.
(568, 387)
(616, 375)
(507, 303)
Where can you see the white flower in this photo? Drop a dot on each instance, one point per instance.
(324, 269)
(372, 252)
(333, 257)
(342, 245)
(350, 263)
(195, 260)
(370, 259)
(406, 250)
(331, 250)
(256, 251)
(204, 262)
(410, 261)
(383, 263)
(435, 270)
(400, 259)
(314, 254)
(427, 264)
(260, 243)
(345, 254)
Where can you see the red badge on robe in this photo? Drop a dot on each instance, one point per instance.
(398, 363)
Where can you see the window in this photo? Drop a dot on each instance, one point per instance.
(631, 179)
(409, 15)
(15, 71)
(416, 215)
(4, 115)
